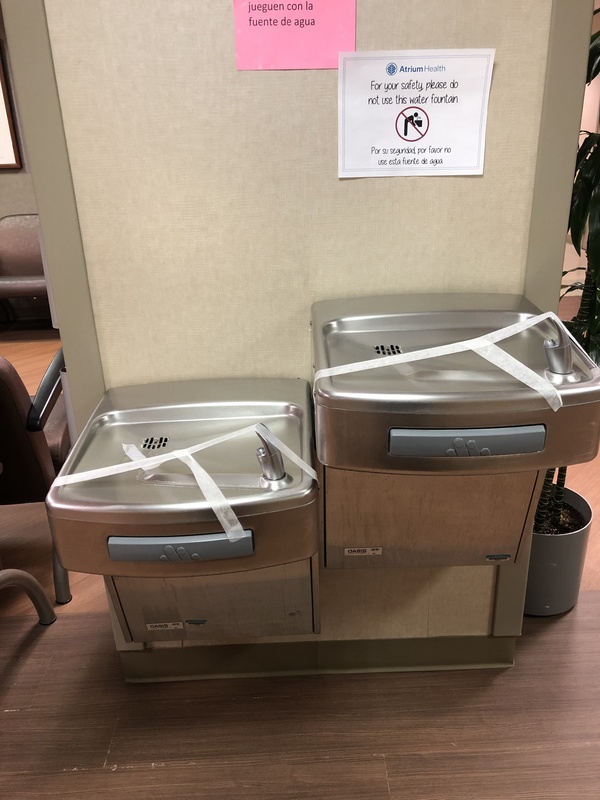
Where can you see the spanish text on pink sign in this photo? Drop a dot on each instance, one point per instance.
(293, 35)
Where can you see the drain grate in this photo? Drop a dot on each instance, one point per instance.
(154, 442)
(388, 349)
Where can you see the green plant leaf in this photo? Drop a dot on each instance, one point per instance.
(544, 506)
(593, 242)
(593, 58)
(577, 330)
(587, 176)
(594, 349)
(569, 288)
(591, 139)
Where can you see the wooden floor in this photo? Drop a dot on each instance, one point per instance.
(71, 727)
(30, 352)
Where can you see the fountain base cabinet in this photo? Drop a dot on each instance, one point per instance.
(388, 619)
(274, 601)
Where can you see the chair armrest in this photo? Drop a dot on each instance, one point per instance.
(46, 395)
(22, 286)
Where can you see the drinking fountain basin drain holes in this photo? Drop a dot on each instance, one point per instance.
(154, 442)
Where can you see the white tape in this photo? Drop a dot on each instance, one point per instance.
(522, 373)
(485, 346)
(213, 495)
(215, 498)
(134, 454)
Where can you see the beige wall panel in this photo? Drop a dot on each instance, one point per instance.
(461, 601)
(374, 604)
(406, 603)
(210, 209)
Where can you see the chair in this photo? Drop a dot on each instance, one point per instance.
(21, 269)
(34, 442)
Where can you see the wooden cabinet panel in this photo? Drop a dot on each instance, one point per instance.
(423, 520)
(264, 602)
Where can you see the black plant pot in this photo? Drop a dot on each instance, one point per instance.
(556, 565)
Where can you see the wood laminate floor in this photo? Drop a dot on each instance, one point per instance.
(29, 351)
(71, 728)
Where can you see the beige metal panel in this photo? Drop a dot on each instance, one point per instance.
(511, 582)
(462, 601)
(406, 603)
(281, 537)
(357, 605)
(211, 212)
(351, 436)
(423, 520)
(396, 604)
(559, 128)
(265, 602)
(374, 604)
(467, 652)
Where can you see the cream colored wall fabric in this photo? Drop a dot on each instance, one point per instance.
(210, 208)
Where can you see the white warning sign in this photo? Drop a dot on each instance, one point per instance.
(413, 112)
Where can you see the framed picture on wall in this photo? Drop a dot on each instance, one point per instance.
(10, 157)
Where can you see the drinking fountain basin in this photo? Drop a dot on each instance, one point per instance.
(166, 500)
(461, 390)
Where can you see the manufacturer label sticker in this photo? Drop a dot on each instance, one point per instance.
(363, 551)
(164, 626)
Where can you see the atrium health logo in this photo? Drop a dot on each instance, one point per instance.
(391, 68)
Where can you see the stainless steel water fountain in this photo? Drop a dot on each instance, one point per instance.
(435, 461)
(173, 572)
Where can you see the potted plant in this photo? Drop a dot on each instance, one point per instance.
(560, 535)
(563, 518)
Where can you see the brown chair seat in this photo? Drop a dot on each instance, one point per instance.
(34, 442)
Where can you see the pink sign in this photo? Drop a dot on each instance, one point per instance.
(303, 35)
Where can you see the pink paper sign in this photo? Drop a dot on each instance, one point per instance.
(293, 35)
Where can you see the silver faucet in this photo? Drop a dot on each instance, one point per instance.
(559, 353)
(269, 458)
